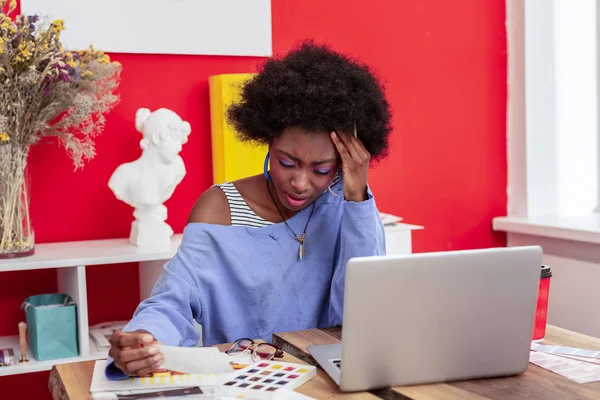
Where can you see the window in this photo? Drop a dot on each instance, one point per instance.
(552, 115)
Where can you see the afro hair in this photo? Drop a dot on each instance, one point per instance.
(318, 89)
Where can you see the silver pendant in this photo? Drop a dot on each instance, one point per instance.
(301, 251)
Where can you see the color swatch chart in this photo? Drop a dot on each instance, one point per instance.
(266, 380)
(177, 379)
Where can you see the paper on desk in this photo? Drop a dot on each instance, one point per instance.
(191, 393)
(566, 351)
(176, 394)
(389, 219)
(578, 371)
(159, 380)
(195, 360)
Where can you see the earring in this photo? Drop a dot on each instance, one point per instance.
(335, 180)
(331, 191)
(266, 167)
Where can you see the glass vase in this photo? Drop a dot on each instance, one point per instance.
(16, 232)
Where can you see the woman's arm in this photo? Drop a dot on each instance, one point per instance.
(175, 302)
(168, 313)
(361, 234)
(361, 230)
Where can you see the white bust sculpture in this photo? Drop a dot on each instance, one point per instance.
(149, 181)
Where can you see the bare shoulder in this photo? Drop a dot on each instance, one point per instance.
(254, 191)
(252, 188)
(211, 208)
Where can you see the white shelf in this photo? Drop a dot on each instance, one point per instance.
(585, 228)
(90, 252)
(36, 366)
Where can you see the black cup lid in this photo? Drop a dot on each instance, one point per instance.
(546, 271)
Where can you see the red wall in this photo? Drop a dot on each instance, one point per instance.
(444, 64)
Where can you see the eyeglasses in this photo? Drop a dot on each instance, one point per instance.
(262, 351)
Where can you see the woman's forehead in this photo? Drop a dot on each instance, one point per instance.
(305, 145)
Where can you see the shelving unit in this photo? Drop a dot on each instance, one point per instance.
(72, 258)
(36, 366)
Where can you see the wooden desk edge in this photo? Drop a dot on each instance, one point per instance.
(292, 350)
(56, 385)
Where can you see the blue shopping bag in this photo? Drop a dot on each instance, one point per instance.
(51, 326)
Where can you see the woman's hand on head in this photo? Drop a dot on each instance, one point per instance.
(135, 353)
(355, 165)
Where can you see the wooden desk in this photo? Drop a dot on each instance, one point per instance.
(535, 383)
(72, 381)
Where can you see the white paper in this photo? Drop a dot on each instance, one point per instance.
(195, 360)
(564, 350)
(101, 384)
(115, 395)
(242, 360)
(389, 219)
(214, 27)
(578, 371)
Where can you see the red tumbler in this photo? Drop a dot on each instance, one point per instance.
(541, 312)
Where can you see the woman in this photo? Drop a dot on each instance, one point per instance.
(268, 253)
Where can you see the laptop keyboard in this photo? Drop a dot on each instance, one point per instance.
(336, 362)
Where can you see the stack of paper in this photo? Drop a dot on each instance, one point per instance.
(579, 365)
(203, 366)
(389, 219)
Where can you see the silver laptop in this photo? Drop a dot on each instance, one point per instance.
(434, 317)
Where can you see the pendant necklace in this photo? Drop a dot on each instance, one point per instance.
(298, 238)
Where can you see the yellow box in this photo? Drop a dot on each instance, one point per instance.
(232, 159)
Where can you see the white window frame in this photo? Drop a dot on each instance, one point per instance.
(552, 114)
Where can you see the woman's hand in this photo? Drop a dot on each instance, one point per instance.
(135, 353)
(355, 164)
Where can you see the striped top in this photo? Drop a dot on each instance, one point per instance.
(241, 214)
